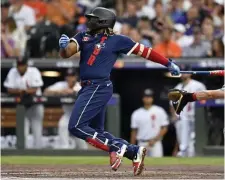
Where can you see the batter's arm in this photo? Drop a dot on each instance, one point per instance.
(133, 136)
(69, 51)
(150, 54)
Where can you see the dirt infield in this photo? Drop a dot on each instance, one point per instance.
(104, 172)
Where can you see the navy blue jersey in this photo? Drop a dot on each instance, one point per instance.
(99, 53)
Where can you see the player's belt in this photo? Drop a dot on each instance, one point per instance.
(94, 81)
(86, 83)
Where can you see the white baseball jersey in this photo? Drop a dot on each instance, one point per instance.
(24, 17)
(61, 86)
(148, 122)
(188, 112)
(31, 79)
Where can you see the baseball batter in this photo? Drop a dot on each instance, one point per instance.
(149, 125)
(185, 124)
(63, 88)
(99, 48)
(27, 81)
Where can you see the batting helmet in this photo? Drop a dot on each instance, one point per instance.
(100, 18)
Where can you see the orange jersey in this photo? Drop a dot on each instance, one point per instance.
(39, 7)
(169, 49)
(55, 11)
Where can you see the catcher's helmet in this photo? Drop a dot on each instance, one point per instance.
(100, 18)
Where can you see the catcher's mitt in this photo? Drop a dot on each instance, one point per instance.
(179, 99)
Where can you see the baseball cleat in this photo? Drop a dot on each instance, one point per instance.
(138, 161)
(182, 154)
(116, 158)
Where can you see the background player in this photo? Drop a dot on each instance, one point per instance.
(185, 123)
(65, 88)
(25, 82)
(100, 48)
(149, 125)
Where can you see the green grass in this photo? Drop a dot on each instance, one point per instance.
(105, 160)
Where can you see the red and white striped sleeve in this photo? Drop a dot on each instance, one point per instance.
(148, 53)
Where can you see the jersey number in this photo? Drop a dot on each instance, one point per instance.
(153, 121)
(96, 52)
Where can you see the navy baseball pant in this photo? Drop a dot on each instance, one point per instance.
(88, 117)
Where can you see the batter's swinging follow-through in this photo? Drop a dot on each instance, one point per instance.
(99, 48)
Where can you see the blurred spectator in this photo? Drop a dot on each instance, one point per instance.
(120, 5)
(167, 47)
(4, 11)
(198, 48)
(209, 5)
(43, 40)
(8, 47)
(208, 20)
(117, 27)
(218, 18)
(217, 48)
(108, 3)
(192, 19)
(176, 11)
(18, 35)
(200, 6)
(125, 30)
(156, 39)
(161, 20)
(81, 24)
(145, 29)
(23, 14)
(136, 36)
(61, 12)
(79, 20)
(144, 23)
(39, 7)
(179, 36)
(152, 2)
(148, 17)
(208, 29)
(130, 16)
(144, 9)
(218, 13)
(186, 5)
(89, 4)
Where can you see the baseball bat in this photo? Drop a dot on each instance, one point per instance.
(209, 73)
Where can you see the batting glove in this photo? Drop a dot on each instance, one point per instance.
(64, 41)
(173, 68)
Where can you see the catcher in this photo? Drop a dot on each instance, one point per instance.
(180, 98)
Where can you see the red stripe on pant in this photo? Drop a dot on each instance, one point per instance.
(97, 144)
